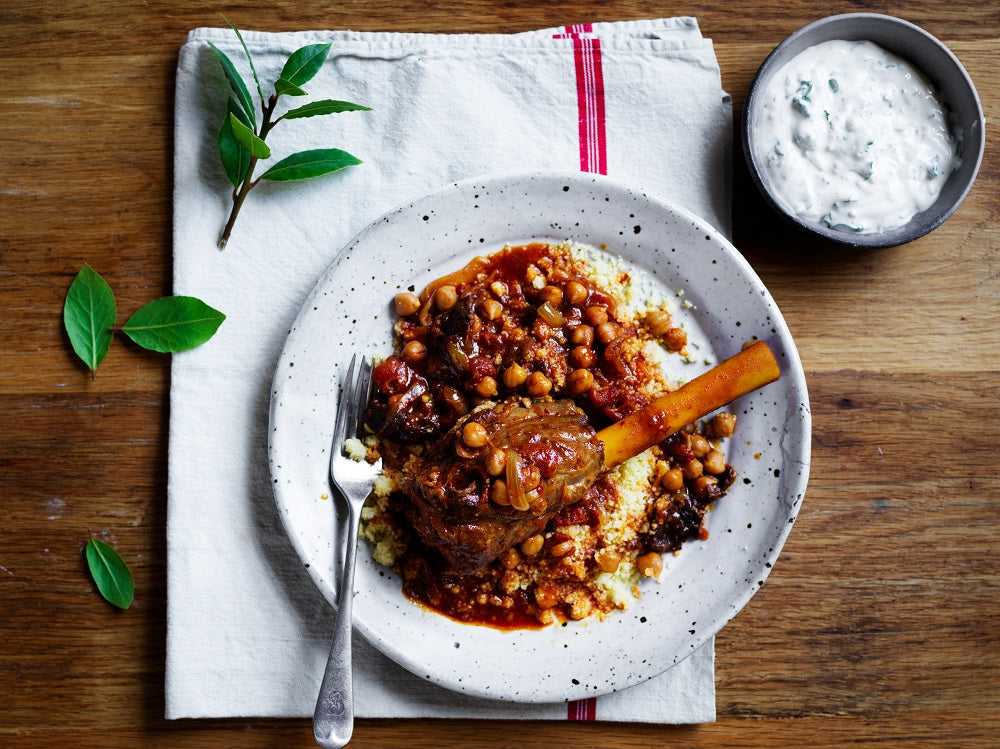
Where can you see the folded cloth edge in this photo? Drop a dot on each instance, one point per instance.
(686, 26)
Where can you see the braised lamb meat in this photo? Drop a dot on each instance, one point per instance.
(498, 476)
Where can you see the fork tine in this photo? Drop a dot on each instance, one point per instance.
(344, 401)
(343, 410)
(360, 395)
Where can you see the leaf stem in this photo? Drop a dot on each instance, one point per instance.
(248, 183)
(238, 199)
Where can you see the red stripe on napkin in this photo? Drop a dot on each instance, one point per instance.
(589, 97)
(593, 158)
(582, 709)
(590, 102)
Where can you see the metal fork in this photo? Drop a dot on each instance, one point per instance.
(333, 719)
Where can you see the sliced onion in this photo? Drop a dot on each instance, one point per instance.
(515, 489)
(424, 315)
(416, 390)
(551, 315)
(458, 357)
(455, 399)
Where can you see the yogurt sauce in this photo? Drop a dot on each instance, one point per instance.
(853, 137)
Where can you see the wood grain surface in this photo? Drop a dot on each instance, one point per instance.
(880, 624)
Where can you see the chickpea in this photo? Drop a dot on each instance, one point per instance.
(575, 293)
(699, 446)
(582, 357)
(606, 332)
(514, 376)
(538, 385)
(582, 335)
(608, 560)
(496, 462)
(491, 309)
(474, 434)
(714, 462)
(486, 387)
(518, 501)
(595, 316)
(406, 303)
(562, 549)
(510, 559)
(693, 469)
(414, 351)
(657, 322)
(579, 381)
(553, 295)
(533, 545)
(672, 480)
(723, 424)
(675, 339)
(650, 565)
(704, 486)
(445, 297)
(498, 493)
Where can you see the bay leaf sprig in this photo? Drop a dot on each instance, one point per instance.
(242, 141)
(110, 573)
(169, 324)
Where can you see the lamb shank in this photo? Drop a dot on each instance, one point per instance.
(502, 472)
(499, 476)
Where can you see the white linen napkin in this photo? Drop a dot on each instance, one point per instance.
(248, 633)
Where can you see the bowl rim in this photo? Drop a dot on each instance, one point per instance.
(913, 229)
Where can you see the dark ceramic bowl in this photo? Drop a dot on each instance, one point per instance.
(937, 63)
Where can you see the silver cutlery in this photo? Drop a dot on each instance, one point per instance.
(333, 718)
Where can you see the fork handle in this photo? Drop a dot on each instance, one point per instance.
(333, 719)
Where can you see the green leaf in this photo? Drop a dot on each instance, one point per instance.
(246, 51)
(235, 158)
(304, 63)
(235, 109)
(287, 88)
(325, 106)
(173, 323)
(248, 138)
(88, 315)
(110, 573)
(306, 164)
(236, 82)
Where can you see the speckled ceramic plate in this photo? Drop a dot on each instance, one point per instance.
(726, 304)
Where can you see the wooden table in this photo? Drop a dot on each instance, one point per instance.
(879, 624)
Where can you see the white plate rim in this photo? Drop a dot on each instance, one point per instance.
(598, 674)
